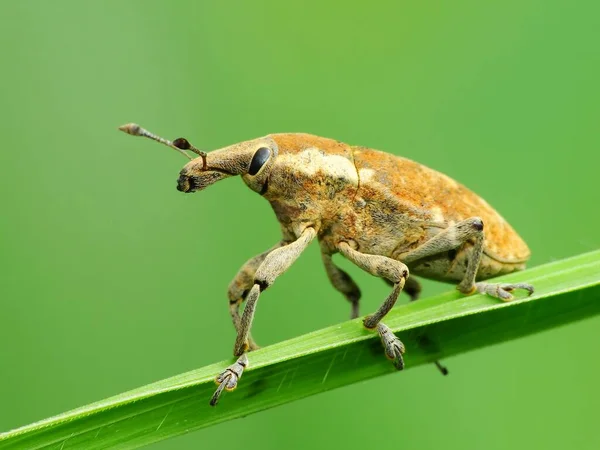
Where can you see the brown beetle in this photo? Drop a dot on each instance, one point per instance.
(384, 213)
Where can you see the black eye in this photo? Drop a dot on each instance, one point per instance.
(258, 160)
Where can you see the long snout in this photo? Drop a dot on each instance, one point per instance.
(193, 182)
(217, 165)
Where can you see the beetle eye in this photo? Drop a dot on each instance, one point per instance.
(258, 160)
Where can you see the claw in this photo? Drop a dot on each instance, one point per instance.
(503, 294)
(228, 379)
(215, 397)
(394, 348)
(511, 287)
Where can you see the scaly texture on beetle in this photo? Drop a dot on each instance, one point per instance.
(387, 214)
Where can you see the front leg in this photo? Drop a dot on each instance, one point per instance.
(240, 287)
(274, 264)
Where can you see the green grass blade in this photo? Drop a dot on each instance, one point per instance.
(432, 328)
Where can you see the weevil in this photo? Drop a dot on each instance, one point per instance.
(386, 214)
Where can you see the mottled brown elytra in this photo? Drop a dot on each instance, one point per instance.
(384, 213)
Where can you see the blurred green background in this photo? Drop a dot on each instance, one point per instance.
(112, 279)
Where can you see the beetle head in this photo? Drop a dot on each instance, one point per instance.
(250, 159)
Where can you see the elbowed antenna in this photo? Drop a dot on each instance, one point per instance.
(179, 144)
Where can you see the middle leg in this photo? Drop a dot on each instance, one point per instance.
(343, 283)
(413, 288)
(397, 273)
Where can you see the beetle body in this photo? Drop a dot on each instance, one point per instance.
(385, 204)
(386, 214)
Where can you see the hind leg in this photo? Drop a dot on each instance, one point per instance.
(454, 237)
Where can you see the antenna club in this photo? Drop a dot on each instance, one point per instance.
(132, 128)
(182, 143)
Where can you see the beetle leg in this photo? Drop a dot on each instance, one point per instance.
(343, 283)
(397, 273)
(394, 348)
(240, 287)
(502, 290)
(273, 264)
(413, 288)
(452, 238)
(228, 379)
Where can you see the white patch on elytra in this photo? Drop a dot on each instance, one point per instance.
(365, 175)
(313, 160)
